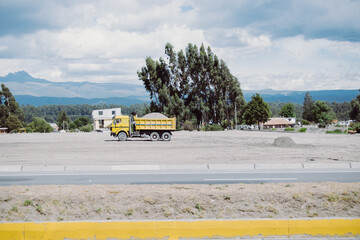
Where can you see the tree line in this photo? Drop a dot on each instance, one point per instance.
(341, 110)
(193, 85)
(51, 112)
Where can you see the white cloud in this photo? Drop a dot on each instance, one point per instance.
(267, 44)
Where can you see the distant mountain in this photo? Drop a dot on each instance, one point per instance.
(270, 95)
(21, 83)
(35, 91)
(39, 101)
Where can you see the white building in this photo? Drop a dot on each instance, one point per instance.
(102, 118)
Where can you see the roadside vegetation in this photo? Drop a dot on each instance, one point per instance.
(233, 201)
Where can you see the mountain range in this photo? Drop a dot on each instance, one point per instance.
(36, 91)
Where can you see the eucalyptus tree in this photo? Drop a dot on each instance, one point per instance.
(192, 84)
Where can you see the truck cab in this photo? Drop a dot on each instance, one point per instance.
(120, 124)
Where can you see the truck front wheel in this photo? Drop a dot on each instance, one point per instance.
(166, 136)
(154, 136)
(122, 136)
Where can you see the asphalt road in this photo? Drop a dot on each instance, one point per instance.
(181, 177)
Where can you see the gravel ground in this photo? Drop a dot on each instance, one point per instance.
(226, 147)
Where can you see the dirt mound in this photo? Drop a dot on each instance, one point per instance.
(284, 142)
(155, 115)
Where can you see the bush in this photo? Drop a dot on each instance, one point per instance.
(322, 125)
(302, 130)
(225, 124)
(289, 129)
(337, 131)
(355, 126)
(72, 126)
(213, 127)
(87, 128)
(189, 125)
(39, 125)
(81, 121)
(305, 122)
(273, 129)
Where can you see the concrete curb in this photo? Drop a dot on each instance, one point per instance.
(230, 167)
(181, 229)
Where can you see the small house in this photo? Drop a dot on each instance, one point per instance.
(102, 118)
(279, 123)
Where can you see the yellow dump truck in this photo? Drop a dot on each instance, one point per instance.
(157, 126)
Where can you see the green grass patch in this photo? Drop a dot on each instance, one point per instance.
(28, 203)
(213, 127)
(289, 129)
(336, 131)
(302, 130)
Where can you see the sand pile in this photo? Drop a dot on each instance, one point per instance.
(284, 142)
(155, 115)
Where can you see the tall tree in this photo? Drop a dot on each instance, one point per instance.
(342, 110)
(323, 113)
(192, 84)
(308, 113)
(256, 111)
(63, 120)
(355, 109)
(288, 110)
(9, 107)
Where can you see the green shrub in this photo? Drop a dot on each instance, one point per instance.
(305, 122)
(81, 121)
(225, 124)
(189, 125)
(302, 130)
(39, 125)
(273, 129)
(289, 129)
(87, 128)
(213, 127)
(355, 126)
(72, 126)
(336, 131)
(29, 130)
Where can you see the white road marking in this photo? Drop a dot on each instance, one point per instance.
(253, 179)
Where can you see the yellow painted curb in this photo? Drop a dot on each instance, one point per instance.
(178, 229)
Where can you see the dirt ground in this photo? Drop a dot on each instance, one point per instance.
(159, 202)
(120, 202)
(226, 147)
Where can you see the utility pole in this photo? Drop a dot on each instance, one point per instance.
(235, 118)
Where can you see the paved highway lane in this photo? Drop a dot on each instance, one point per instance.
(181, 177)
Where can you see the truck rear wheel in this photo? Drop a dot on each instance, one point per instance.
(122, 136)
(154, 136)
(166, 136)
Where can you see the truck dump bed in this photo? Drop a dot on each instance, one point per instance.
(155, 124)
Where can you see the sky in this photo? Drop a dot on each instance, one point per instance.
(277, 44)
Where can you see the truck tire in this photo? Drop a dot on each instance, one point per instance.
(122, 136)
(154, 136)
(166, 136)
